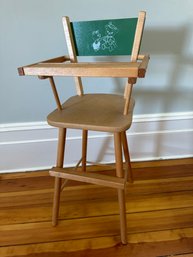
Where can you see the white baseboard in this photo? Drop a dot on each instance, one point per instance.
(32, 146)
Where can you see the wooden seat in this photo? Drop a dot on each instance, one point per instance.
(100, 112)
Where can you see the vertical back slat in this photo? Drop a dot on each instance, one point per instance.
(134, 57)
(138, 36)
(72, 51)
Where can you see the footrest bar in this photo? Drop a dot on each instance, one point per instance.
(93, 178)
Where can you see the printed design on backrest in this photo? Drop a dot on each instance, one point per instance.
(104, 37)
(106, 41)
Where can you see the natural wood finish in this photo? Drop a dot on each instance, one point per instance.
(95, 206)
(132, 80)
(97, 226)
(134, 57)
(128, 90)
(101, 112)
(183, 255)
(162, 193)
(72, 52)
(69, 39)
(132, 70)
(128, 169)
(164, 167)
(56, 201)
(61, 147)
(58, 180)
(138, 36)
(54, 90)
(78, 164)
(76, 249)
(53, 60)
(121, 192)
(127, 96)
(84, 148)
(93, 178)
(143, 65)
(97, 69)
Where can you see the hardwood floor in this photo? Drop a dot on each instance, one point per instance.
(159, 208)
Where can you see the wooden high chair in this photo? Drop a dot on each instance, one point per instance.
(99, 112)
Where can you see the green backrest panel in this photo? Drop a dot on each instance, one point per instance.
(104, 37)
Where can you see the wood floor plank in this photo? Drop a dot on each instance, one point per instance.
(159, 173)
(163, 163)
(162, 249)
(36, 212)
(24, 174)
(177, 255)
(159, 207)
(89, 192)
(70, 246)
(98, 226)
(32, 183)
(135, 165)
(35, 180)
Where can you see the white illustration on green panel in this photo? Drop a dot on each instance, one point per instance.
(106, 42)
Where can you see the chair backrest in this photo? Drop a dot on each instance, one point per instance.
(103, 38)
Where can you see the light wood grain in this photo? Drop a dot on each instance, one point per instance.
(72, 52)
(143, 65)
(58, 180)
(138, 36)
(53, 60)
(120, 191)
(97, 226)
(84, 148)
(134, 56)
(55, 93)
(162, 195)
(65, 248)
(135, 165)
(122, 69)
(128, 170)
(100, 112)
(94, 178)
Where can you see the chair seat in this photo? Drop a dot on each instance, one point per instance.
(99, 112)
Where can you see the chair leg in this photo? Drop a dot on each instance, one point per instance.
(84, 148)
(58, 181)
(121, 193)
(129, 173)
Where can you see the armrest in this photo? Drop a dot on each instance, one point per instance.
(143, 65)
(97, 69)
(59, 59)
(57, 67)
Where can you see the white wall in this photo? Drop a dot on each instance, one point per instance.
(32, 31)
